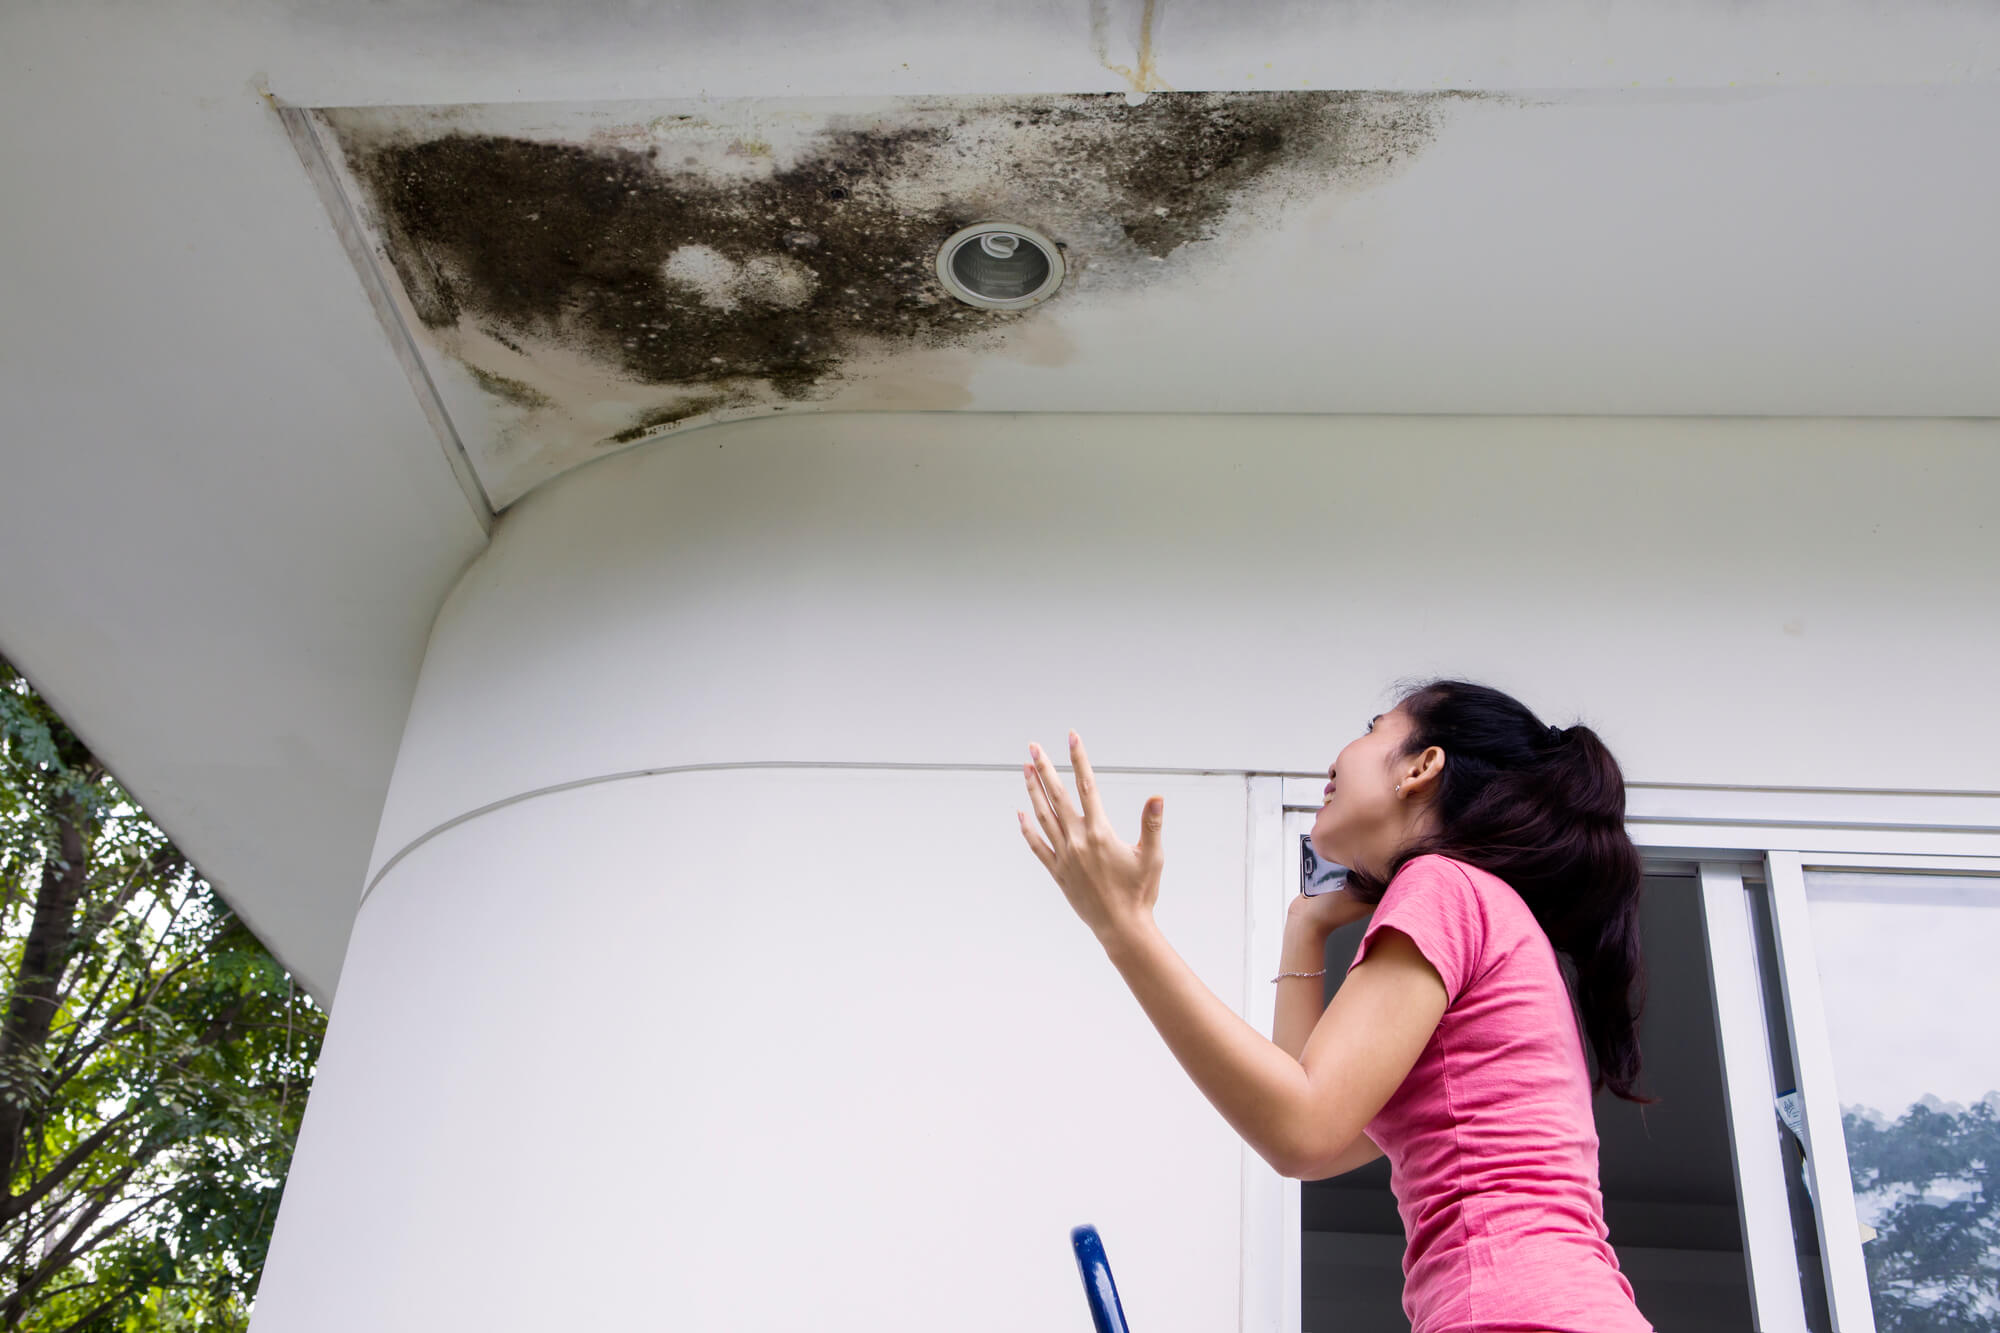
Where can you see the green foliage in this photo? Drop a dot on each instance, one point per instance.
(154, 1058)
(1934, 1267)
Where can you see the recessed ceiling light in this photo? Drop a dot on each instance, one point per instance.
(1000, 266)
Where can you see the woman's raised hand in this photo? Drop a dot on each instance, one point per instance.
(1112, 885)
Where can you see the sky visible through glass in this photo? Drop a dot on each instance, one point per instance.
(1907, 976)
(1909, 971)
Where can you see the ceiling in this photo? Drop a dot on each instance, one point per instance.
(248, 447)
(575, 278)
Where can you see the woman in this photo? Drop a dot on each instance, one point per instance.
(1483, 843)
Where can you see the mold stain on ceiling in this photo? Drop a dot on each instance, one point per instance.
(579, 278)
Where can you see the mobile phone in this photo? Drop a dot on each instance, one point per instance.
(1316, 875)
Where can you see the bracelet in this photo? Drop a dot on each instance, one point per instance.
(1281, 975)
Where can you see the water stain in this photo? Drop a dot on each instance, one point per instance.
(652, 419)
(509, 389)
(1146, 78)
(722, 261)
(1043, 343)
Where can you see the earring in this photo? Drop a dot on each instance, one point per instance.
(1399, 789)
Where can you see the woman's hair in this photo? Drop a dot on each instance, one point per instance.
(1543, 808)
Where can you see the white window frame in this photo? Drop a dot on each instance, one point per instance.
(1272, 1267)
(1812, 1058)
(1750, 1099)
(1717, 833)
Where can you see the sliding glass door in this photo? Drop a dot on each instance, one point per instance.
(1892, 985)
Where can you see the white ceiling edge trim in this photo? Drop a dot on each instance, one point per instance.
(340, 212)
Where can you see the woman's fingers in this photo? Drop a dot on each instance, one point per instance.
(1042, 851)
(1152, 815)
(1044, 815)
(1086, 781)
(1068, 817)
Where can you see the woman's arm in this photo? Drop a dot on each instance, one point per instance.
(1301, 999)
(1300, 1115)
(1359, 1154)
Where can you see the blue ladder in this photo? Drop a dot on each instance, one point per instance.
(1098, 1288)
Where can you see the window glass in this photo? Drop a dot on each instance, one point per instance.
(1908, 974)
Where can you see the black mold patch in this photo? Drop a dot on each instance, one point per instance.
(716, 281)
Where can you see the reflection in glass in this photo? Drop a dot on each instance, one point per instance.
(1908, 972)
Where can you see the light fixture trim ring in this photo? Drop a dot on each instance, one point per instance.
(967, 235)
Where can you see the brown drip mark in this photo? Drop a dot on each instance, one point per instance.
(510, 389)
(608, 249)
(667, 416)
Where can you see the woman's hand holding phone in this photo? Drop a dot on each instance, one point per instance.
(1325, 912)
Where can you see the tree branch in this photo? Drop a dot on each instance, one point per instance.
(157, 860)
(64, 1251)
(44, 957)
(84, 1319)
(13, 1206)
(68, 1064)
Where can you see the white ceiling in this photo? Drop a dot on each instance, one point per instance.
(1717, 252)
(228, 519)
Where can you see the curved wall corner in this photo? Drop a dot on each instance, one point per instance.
(760, 1050)
(1220, 593)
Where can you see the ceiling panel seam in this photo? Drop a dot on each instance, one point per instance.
(730, 766)
(1772, 821)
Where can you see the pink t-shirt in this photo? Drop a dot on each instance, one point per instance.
(1491, 1145)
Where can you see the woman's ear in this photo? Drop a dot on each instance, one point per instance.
(1422, 772)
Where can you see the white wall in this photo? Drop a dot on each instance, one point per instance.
(1730, 601)
(708, 982)
(761, 1051)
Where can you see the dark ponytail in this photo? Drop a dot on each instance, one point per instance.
(1543, 808)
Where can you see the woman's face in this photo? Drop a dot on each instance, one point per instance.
(1363, 821)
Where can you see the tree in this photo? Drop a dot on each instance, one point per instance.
(154, 1058)
(1934, 1265)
